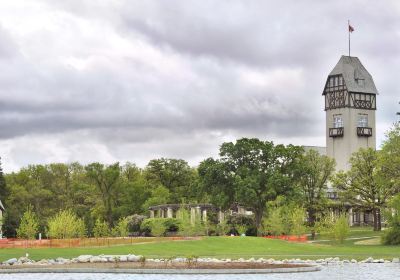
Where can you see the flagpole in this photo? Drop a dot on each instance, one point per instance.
(348, 27)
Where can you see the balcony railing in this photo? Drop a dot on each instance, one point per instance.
(336, 132)
(364, 131)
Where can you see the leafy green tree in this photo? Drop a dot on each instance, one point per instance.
(363, 185)
(174, 174)
(66, 224)
(389, 159)
(261, 172)
(314, 172)
(28, 226)
(101, 229)
(391, 236)
(3, 185)
(159, 195)
(215, 183)
(106, 180)
(133, 192)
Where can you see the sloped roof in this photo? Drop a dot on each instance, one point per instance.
(352, 70)
(1, 206)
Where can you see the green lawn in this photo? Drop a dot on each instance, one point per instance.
(221, 247)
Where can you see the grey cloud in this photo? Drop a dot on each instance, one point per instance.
(137, 107)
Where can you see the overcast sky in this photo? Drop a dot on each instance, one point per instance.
(135, 80)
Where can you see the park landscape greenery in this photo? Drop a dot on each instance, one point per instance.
(284, 186)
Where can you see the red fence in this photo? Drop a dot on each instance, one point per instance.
(80, 242)
(294, 238)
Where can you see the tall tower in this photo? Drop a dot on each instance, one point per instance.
(350, 105)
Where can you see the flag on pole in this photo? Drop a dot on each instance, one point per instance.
(351, 28)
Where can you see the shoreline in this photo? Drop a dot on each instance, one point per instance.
(160, 268)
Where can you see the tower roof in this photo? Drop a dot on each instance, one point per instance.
(356, 77)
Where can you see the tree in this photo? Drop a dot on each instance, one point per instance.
(215, 182)
(3, 185)
(314, 172)
(363, 185)
(261, 172)
(391, 236)
(106, 180)
(28, 226)
(159, 195)
(174, 174)
(389, 160)
(65, 224)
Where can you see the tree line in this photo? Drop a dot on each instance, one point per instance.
(256, 174)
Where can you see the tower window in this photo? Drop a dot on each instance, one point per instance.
(362, 120)
(337, 121)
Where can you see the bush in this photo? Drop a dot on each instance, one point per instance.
(273, 224)
(223, 228)
(121, 229)
(158, 228)
(66, 224)
(28, 226)
(171, 224)
(101, 229)
(134, 222)
(241, 229)
(297, 221)
(341, 228)
(391, 236)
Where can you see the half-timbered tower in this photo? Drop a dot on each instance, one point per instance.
(350, 105)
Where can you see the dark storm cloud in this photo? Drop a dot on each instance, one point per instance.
(177, 78)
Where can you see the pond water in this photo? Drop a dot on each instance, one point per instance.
(332, 272)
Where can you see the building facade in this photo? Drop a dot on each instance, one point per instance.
(350, 105)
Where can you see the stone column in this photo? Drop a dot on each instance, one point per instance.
(151, 213)
(204, 215)
(351, 217)
(192, 215)
(221, 216)
(169, 212)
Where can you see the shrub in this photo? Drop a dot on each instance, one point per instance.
(170, 224)
(158, 228)
(297, 221)
(66, 224)
(101, 229)
(223, 228)
(273, 224)
(28, 226)
(341, 228)
(121, 229)
(241, 229)
(134, 222)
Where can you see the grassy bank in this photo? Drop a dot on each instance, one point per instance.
(225, 247)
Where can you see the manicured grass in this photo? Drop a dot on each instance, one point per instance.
(220, 247)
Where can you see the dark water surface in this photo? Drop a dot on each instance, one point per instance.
(346, 271)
